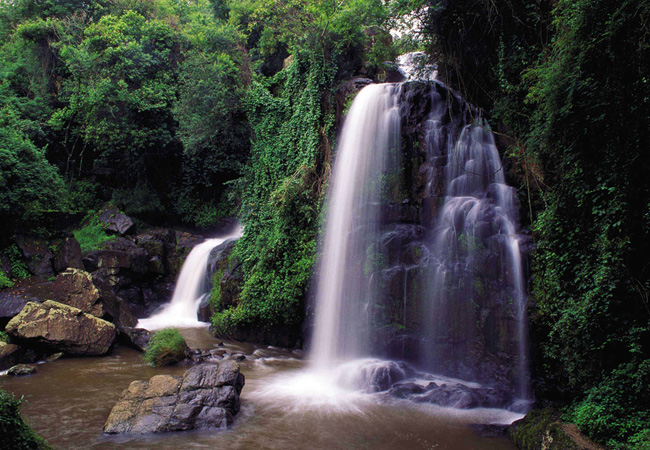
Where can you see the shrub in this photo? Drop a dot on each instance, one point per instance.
(616, 411)
(166, 347)
(92, 235)
(16, 434)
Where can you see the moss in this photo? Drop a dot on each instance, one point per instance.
(541, 429)
(166, 347)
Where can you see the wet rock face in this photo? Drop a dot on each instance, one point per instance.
(37, 255)
(63, 328)
(22, 370)
(78, 288)
(452, 396)
(115, 221)
(68, 254)
(207, 396)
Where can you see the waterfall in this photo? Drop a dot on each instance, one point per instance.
(421, 259)
(344, 289)
(192, 285)
(475, 230)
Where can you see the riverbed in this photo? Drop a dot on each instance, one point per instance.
(68, 401)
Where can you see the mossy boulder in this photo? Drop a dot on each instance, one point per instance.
(63, 328)
(165, 348)
(78, 288)
(542, 429)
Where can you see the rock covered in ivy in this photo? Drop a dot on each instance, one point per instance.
(207, 396)
(63, 328)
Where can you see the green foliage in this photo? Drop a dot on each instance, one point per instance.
(166, 347)
(92, 234)
(19, 268)
(571, 88)
(16, 433)
(5, 282)
(614, 411)
(281, 201)
(29, 185)
(4, 337)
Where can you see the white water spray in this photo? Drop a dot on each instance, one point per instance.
(191, 287)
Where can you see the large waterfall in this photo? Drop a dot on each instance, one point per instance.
(421, 260)
(370, 132)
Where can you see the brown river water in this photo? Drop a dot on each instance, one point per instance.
(69, 400)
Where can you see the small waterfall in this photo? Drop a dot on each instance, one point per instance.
(191, 287)
(344, 286)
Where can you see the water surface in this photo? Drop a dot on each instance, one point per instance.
(70, 399)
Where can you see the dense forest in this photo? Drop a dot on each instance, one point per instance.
(181, 113)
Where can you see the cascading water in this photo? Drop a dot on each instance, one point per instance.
(474, 241)
(344, 289)
(192, 285)
(420, 259)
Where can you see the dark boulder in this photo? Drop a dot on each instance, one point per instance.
(207, 396)
(114, 220)
(463, 397)
(38, 257)
(68, 254)
(12, 354)
(137, 338)
(93, 296)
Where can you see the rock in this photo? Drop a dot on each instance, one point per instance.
(406, 390)
(9, 355)
(461, 396)
(107, 259)
(138, 338)
(68, 255)
(75, 287)
(21, 370)
(79, 289)
(207, 396)
(37, 256)
(10, 305)
(115, 221)
(203, 313)
(63, 328)
(54, 356)
(542, 429)
(12, 354)
(238, 357)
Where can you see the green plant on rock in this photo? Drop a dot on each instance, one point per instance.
(16, 433)
(5, 282)
(92, 234)
(19, 268)
(166, 347)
